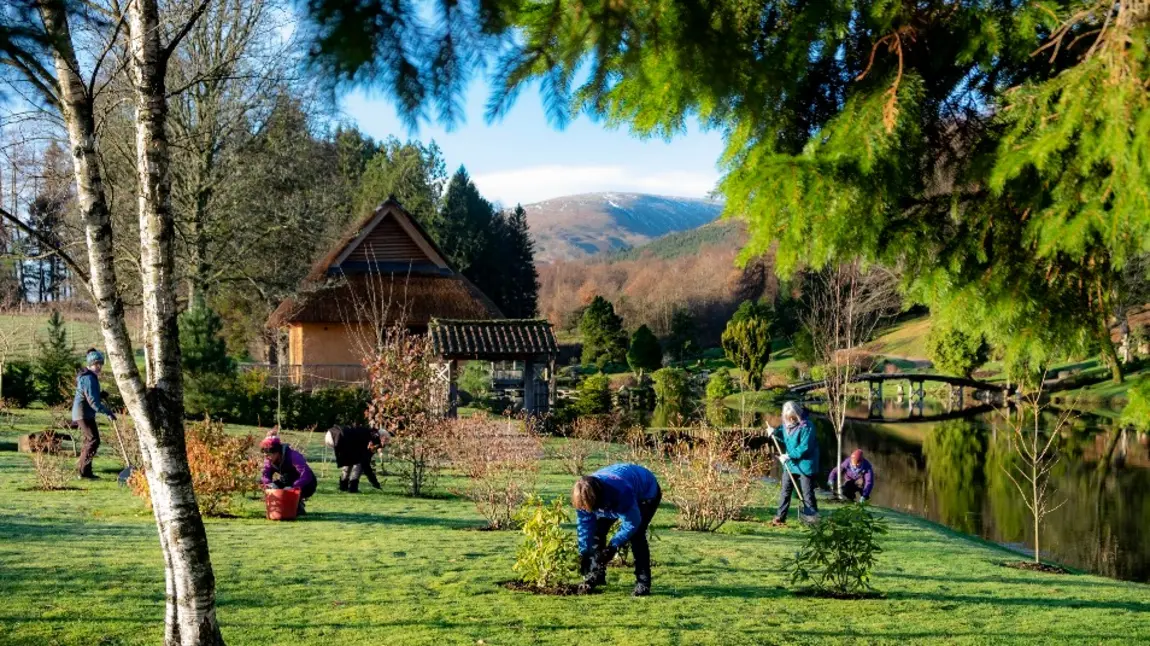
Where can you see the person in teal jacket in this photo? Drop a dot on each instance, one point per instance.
(801, 460)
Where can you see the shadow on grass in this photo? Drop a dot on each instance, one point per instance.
(393, 519)
(9, 446)
(999, 600)
(11, 528)
(1008, 580)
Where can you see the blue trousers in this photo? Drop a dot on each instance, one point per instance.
(806, 489)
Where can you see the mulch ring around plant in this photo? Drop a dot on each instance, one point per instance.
(1031, 566)
(842, 596)
(561, 590)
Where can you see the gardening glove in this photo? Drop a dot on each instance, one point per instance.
(783, 457)
(862, 499)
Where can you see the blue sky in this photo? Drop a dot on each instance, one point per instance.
(523, 159)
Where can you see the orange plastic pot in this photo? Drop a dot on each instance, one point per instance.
(282, 504)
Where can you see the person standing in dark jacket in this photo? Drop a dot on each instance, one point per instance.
(85, 405)
(286, 468)
(858, 477)
(629, 494)
(354, 447)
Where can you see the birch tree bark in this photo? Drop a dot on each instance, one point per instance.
(155, 402)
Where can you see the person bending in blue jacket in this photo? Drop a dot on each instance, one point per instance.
(627, 493)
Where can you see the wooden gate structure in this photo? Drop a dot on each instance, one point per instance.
(529, 341)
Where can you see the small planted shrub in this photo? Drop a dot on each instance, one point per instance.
(710, 480)
(839, 552)
(401, 394)
(53, 467)
(547, 558)
(223, 466)
(500, 459)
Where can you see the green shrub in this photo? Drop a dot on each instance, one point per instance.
(672, 387)
(323, 408)
(255, 400)
(548, 555)
(594, 395)
(208, 395)
(475, 378)
(721, 385)
(803, 347)
(839, 551)
(1137, 410)
(18, 387)
(955, 352)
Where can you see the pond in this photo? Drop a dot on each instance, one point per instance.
(954, 472)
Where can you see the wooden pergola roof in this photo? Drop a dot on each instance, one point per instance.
(492, 340)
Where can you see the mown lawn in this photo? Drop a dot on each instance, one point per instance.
(83, 567)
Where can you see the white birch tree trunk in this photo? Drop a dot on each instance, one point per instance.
(156, 406)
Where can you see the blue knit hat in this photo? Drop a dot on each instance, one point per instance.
(95, 356)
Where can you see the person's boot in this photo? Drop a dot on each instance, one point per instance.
(342, 484)
(642, 585)
(353, 486)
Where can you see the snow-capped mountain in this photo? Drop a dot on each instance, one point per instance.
(577, 226)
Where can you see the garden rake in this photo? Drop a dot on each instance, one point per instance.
(807, 515)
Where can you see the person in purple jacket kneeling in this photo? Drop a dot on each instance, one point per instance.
(286, 468)
(858, 477)
(629, 494)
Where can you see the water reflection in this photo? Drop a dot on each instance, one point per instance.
(954, 472)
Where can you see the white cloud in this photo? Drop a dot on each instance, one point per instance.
(538, 183)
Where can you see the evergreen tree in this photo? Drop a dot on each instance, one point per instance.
(521, 281)
(645, 354)
(681, 342)
(203, 349)
(752, 309)
(56, 363)
(208, 370)
(747, 343)
(604, 339)
(412, 173)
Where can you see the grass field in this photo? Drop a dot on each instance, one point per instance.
(83, 567)
(22, 332)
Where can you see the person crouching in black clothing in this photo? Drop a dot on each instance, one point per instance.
(354, 448)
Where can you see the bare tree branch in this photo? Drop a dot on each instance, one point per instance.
(72, 264)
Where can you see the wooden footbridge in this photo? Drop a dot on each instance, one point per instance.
(917, 382)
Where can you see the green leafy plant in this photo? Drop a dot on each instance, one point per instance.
(839, 552)
(548, 555)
